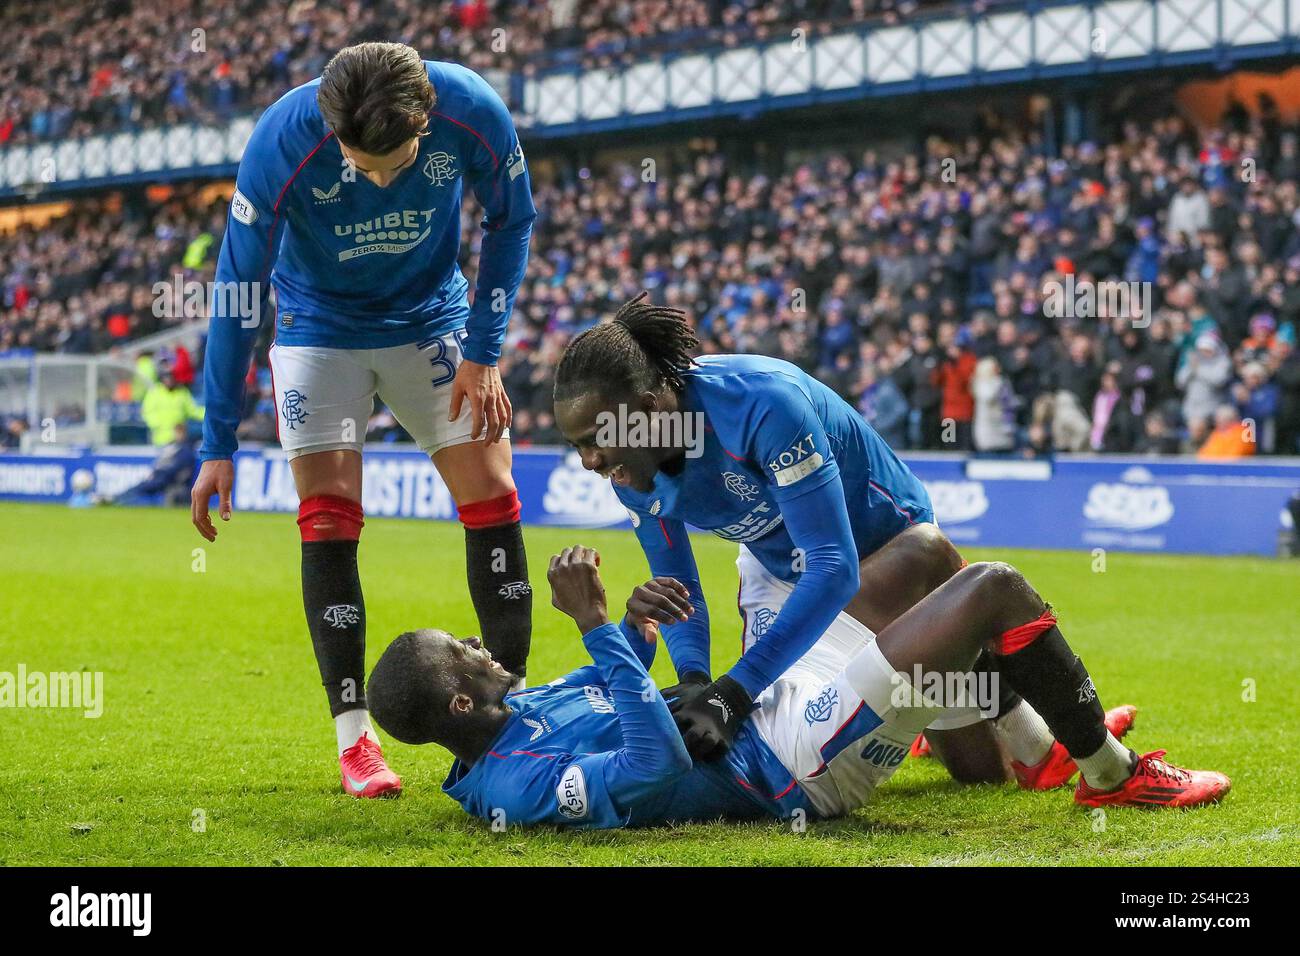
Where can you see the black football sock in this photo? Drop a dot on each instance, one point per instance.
(497, 571)
(1008, 699)
(336, 616)
(331, 598)
(1022, 730)
(1040, 666)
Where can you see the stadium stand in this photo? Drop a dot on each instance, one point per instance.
(918, 303)
(128, 65)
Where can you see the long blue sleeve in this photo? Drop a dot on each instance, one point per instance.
(818, 523)
(241, 295)
(643, 649)
(653, 753)
(499, 177)
(668, 551)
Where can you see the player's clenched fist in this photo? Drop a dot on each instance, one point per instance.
(216, 477)
(576, 588)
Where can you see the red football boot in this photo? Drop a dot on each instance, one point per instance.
(920, 747)
(1057, 768)
(1156, 783)
(364, 772)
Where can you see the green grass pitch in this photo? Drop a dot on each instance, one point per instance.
(215, 745)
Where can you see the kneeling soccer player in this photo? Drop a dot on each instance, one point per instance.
(599, 748)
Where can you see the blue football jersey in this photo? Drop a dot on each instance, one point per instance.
(794, 473)
(355, 265)
(771, 433)
(561, 758)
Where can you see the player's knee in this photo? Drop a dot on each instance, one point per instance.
(330, 518)
(490, 512)
(995, 577)
(1003, 590)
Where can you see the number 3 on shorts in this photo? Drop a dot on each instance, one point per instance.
(444, 366)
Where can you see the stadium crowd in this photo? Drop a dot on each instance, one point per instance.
(129, 65)
(85, 282)
(923, 289)
(938, 292)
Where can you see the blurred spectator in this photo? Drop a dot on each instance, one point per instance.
(994, 420)
(1257, 401)
(1189, 211)
(1158, 437)
(953, 377)
(1288, 415)
(259, 422)
(918, 379)
(1113, 422)
(1230, 438)
(168, 405)
(883, 406)
(172, 475)
(1203, 377)
(11, 436)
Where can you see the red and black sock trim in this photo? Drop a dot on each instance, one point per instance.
(1035, 659)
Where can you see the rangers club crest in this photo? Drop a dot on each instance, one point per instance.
(763, 619)
(740, 486)
(292, 411)
(1087, 691)
(514, 590)
(440, 168)
(341, 615)
(819, 709)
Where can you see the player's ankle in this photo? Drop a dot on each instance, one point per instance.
(1110, 767)
(351, 725)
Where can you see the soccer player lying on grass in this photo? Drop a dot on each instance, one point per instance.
(599, 747)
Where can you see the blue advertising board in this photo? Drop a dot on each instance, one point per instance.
(1135, 504)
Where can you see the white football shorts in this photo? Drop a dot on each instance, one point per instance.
(838, 746)
(324, 397)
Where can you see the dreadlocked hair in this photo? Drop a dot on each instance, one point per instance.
(644, 347)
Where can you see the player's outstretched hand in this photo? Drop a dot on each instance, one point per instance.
(659, 601)
(216, 477)
(710, 718)
(488, 403)
(576, 588)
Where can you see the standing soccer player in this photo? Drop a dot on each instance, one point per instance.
(370, 301)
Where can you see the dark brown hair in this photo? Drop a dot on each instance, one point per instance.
(375, 96)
